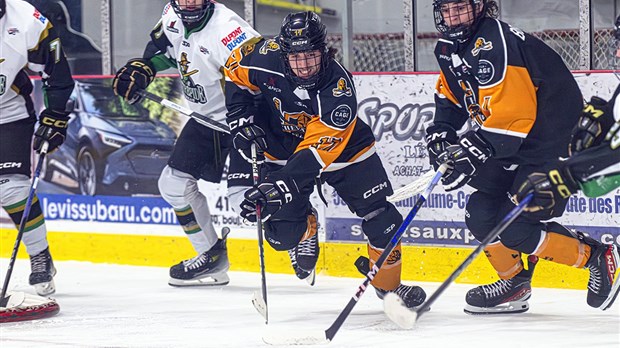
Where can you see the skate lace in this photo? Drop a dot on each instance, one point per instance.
(292, 256)
(595, 281)
(308, 246)
(498, 288)
(403, 291)
(38, 263)
(197, 262)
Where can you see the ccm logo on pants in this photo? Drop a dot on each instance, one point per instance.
(375, 189)
(7, 165)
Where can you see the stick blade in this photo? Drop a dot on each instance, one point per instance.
(396, 310)
(261, 306)
(295, 338)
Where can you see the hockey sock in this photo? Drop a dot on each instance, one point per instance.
(507, 262)
(192, 229)
(34, 232)
(388, 277)
(562, 249)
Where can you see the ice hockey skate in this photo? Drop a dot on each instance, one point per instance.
(603, 263)
(43, 272)
(411, 296)
(207, 269)
(505, 296)
(306, 254)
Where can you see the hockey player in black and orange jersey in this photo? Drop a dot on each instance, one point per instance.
(308, 129)
(524, 102)
(593, 167)
(29, 41)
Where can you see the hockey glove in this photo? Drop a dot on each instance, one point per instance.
(438, 138)
(463, 160)
(135, 76)
(548, 188)
(52, 129)
(271, 195)
(245, 136)
(594, 124)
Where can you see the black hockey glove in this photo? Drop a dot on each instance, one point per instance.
(271, 195)
(463, 160)
(52, 129)
(135, 76)
(548, 188)
(594, 124)
(246, 135)
(438, 138)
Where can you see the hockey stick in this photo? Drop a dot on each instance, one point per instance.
(260, 303)
(412, 189)
(406, 318)
(24, 219)
(202, 119)
(326, 336)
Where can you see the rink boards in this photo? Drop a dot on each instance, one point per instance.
(144, 231)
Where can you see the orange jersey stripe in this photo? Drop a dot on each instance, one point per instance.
(510, 106)
(443, 89)
(237, 73)
(328, 142)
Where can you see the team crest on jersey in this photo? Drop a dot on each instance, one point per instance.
(269, 45)
(481, 45)
(342, 89)
(292, 122)
(193, 92)
(171, 27)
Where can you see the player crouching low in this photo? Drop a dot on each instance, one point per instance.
(309, 131)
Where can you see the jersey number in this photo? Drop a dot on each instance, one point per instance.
(55, 49)
(2, 84)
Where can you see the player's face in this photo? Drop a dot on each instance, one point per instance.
(457, 13)
(305, 64)
(190, 5)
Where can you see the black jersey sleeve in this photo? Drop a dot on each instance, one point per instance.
(156, 51)
(48, 59)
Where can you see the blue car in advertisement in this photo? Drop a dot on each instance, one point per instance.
(112, 148)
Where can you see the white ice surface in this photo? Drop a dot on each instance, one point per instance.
(124, 306)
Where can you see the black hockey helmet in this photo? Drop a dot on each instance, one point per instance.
(2, 8)
(303, 32)
(192, 15)
(473, 9)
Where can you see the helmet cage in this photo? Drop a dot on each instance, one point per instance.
(301, 33)
(191, 16)
(462, 31)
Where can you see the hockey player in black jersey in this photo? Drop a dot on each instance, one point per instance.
(306, 123)
(525, 103)
(593, 168)
(196, 37)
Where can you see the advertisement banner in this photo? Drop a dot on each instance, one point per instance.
(398, 108)
(108, 167)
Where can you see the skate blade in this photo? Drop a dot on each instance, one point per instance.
(505, 308)
(396, 311)
(220, 279)
(46, 288)
(311, 278)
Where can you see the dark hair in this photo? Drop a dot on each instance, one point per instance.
(492, 9)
